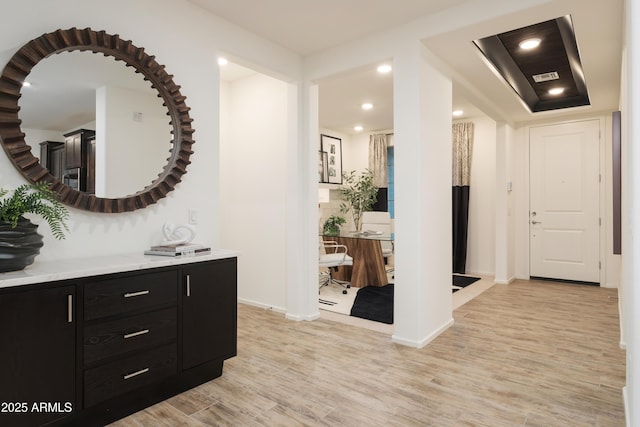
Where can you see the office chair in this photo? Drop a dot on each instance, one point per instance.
(379, 221)
(332, 256)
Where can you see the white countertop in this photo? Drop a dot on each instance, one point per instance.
(49, 271)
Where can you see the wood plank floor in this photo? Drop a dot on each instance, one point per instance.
(524, 354)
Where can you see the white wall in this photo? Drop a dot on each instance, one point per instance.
(355, 157)
(505, 202)
(631, 213)
(130, 154)
(482, 199)
(186, 40)
(253, 154)
(356, 153)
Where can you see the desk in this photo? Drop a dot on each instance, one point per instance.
(368, 263)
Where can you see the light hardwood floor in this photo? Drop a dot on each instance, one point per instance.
(524, 354)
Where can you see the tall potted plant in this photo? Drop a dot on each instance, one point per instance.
(358, 195)
(19, 239)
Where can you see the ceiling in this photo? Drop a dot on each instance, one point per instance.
(309, 26)
(74, 77)
(300, 26)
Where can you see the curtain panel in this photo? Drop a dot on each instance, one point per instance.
(378, 159)
(462, 143)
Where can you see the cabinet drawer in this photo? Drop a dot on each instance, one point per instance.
(112, 338)
(128, 374)
(125, 294)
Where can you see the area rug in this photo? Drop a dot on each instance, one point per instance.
(374, 303)
(460, 282)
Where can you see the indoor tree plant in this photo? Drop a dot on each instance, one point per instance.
(358, 194)
(19, 239)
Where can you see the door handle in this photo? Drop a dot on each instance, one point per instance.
(536, 222)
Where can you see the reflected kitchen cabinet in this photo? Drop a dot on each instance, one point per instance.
(77, 153)
(52, 157)
(91, 166)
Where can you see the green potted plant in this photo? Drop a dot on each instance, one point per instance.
(332, 225)
(358, 195)
(19, 239)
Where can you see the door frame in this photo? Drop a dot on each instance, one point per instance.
(604, 140)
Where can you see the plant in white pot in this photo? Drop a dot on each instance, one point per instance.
(19, 239)
(358, 194)
(332, 225)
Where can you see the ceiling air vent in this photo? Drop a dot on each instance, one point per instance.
(545, 77)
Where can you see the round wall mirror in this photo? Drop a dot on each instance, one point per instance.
(122, 148)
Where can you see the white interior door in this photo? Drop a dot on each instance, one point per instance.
(564, 201)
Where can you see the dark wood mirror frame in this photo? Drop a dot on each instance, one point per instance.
(19, 152)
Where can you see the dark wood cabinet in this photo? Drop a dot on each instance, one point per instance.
(37, 356)
(73, 150)
(77, 152)
(52, 157)
(91, 166)
(102, 347)
(209, 309)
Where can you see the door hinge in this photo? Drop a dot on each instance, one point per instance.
(600, 177)
(599, 265)
(600, 222)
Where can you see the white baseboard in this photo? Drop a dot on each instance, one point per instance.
(623, 331)
(261, 305)
(288, 316)
(423, 342)
(625, 400)
(610, 285)
(480, 273)
(505, 282)
(313, 316)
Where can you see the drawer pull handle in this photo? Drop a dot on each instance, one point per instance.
(135, 294)
(135, 334)
(136, 373)
(69, 308)
(188, 285)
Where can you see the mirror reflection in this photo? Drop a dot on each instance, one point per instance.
(95, 123)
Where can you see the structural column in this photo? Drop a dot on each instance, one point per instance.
(505, 247)
(423, 248)
(302, 205)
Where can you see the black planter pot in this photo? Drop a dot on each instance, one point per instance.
(18, 246)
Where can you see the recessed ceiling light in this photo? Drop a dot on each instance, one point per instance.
(529, 44)
(222, 61)
(26, 83)
(358, 128)
(458, 113)
(556, 91)
(384, 69)
(367, 106)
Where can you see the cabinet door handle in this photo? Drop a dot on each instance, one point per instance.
(135, 294)
(136, 373)
(135, 334)
(69, 308)
(188, 285)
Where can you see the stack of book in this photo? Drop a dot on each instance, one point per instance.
(178, 250)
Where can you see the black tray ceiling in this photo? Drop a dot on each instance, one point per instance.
(557, 52)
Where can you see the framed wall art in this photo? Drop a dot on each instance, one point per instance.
(323, 167)
(333, 147)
